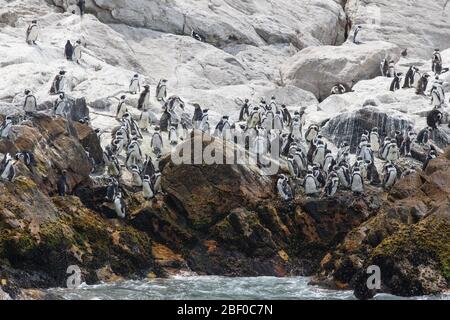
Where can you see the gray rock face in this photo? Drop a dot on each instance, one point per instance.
(419, 26)
(318, 69)
(255, 22)
(350, 126)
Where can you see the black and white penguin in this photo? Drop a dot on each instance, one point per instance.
(343, 149)
(311, 133)
(135, 85)
(293, 170)
(204, 123)
(437, 94)
(119, 206)
(30, 104)
(422, 84)
(144, 120)
(112, 190)
(287, 118)
(68, 50)
(27, 158)
(296, 129)
(300, 162)
(254, 119)
(329, 161)
(338, 89)
(395, 84)
(32, 32)
(432, 154)
(114, 168)
(434, 119)
(310, 184)
(373, 177)
(357, 182)
(344, 175)
(197, 118)
(136, 176)
(321, 177)
(197, 36)
(319, 154)
(59, 83)
(390, 176)
(424, 136)
(278, 123)
(156, 182)
(8, 169)
(410, 137)
(374, 140)
(161, 90)
(436, 62)
(121, 108)
(332, 185)
(284, 189)
(144, 99)
(355, 34)
(384, 67)
(409, 77)
(77, 50)
(5, 127)
(147, 188)
(62, 185)
(391, 69)
(392, 153)
(245, 111)
(157, 142)
(173, 135)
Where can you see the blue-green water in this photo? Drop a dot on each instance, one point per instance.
(211, 287)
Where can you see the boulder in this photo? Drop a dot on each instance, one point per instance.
(405, 23)
(318, 69)
(351, 125)
(224, 22)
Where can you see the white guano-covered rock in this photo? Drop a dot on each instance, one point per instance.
(318, 69)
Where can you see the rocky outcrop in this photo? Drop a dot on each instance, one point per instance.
(351, 125)
(407, 239)
(318, 69)
(223, 22)
(42, 234)
(418, 26)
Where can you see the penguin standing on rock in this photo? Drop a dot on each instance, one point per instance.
(156, 142)
(357, 182)
(197, 36)
(434, 119)
(77, 52)
(136, 176)
(27, 158)
(197, 118)
(147, 188)
(284, 189)
(68, 50)
(121, 108)
(119, 205)
(422, 84)
(431, 155)
(59, 83)
(409, 77)
(62, 185)
(424, 136)
(8, 170)
(29, 105)
(144, 99)
(32, 32)
(395, 84)
(355, 34)
(390, 177)
(156, 182)
(161, 90)
(112, 190)
(244, 113)
(310, 184)
(135, 86)
(332, 185)
(5, 127)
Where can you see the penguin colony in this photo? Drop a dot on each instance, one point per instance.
(311, 164)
